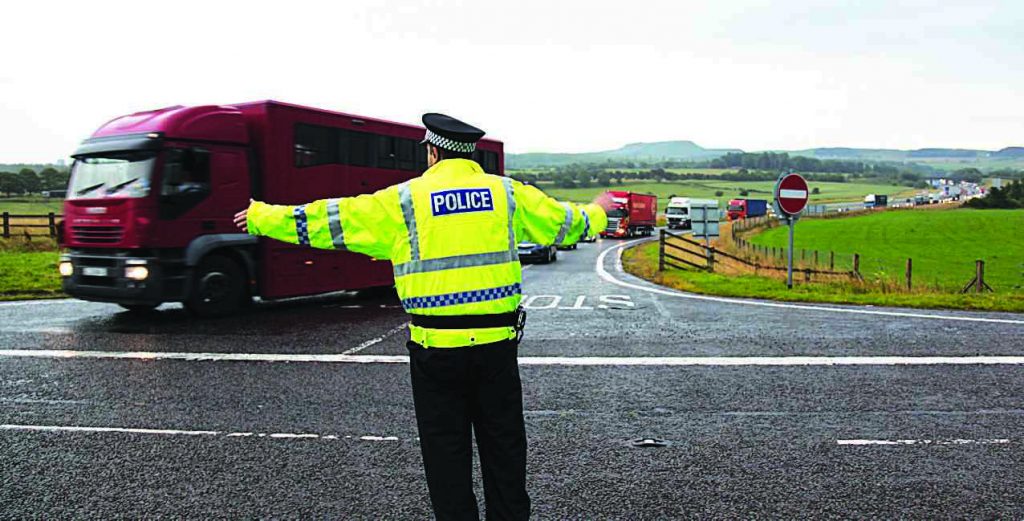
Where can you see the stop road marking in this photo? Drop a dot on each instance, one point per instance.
(578, 303)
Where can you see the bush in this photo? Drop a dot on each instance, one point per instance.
(719, 193)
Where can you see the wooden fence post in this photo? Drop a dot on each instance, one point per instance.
(7, 225)
(832, 261)
(53, 224)
(910, 270)
(979, 276)
(856, 264)
(711, 259)
(815, 258)
(661, 251)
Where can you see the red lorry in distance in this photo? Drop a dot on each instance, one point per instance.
(746, 208)
(148, 214)
(629, 214)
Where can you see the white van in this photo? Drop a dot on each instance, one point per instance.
(679, 209)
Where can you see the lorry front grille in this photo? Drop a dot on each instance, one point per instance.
(613, 224)
(97, 234)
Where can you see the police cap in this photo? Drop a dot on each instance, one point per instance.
(450, 134)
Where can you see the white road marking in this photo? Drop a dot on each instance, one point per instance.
(607, 277)
(996, 441)
(656, 361)
(178, 432)
(377, 340)
(39, 302)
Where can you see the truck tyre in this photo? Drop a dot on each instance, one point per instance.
(218, 287)
(139, 308)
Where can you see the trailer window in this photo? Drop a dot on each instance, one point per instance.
(314, 145)
(406, 154)
(385, 151)
(421, 158)
(357, 147)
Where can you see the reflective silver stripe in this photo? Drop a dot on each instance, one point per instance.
(405, 199)
(507, 181)
(334, 220)
(457, 261)
(565, 225)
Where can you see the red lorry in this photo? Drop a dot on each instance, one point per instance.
(629, 214)
(148, 214)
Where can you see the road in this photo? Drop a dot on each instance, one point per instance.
(303, 408)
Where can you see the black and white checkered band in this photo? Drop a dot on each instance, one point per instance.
(449, 144)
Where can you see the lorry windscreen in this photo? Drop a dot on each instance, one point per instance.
(735, 207)
(618, 212)
(675, 211)
(112, 174)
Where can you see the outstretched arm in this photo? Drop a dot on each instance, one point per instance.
(363, 224)
(544, 220)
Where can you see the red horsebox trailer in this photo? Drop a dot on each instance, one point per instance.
(148, 214)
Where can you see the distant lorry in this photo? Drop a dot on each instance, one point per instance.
(629, 214)
(148, 214)
(876, 201)
(746, 208)
(680, 209)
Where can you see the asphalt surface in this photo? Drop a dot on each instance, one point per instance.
(201, 438)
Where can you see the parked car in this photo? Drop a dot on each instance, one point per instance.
(533, 252)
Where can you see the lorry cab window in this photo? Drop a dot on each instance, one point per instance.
(618, 212)
(673, 210)
(112, 174)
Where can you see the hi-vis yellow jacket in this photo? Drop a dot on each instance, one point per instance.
(451, 235)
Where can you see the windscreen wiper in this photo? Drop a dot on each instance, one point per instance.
(119, 186)
(89, 189)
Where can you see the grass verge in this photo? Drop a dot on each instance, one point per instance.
(28, 270)
(642, 261)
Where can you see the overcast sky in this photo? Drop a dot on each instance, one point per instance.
(540, 75)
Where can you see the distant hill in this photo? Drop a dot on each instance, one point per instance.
(690, 151)
(659, 151)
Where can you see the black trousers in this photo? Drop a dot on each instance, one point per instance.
(459, 391)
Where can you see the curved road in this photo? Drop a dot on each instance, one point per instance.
(303, 408)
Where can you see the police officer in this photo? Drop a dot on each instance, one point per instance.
(451, 235)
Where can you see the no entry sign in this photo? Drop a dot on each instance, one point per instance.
(791, 194)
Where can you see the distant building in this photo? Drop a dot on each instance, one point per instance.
(997, 182)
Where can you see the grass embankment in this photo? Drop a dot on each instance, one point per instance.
(707, 188)
(943, 245)
(642, 261)
(28, 269)
(31, 205)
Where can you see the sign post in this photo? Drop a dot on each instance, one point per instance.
(790, 199)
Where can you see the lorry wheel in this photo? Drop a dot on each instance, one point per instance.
(139, 308)
(218, 288)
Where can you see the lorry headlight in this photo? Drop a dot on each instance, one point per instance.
(136, 270)
(65, 268)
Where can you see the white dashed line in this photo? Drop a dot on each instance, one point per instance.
(607, 277)
(997, 441)
(655, 361)
(178, 432)
(377, 340)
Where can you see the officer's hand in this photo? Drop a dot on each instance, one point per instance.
(242, 217)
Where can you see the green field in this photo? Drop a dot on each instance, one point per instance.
(30, 205)
(705, 189)
(943, 244)
(642, 261)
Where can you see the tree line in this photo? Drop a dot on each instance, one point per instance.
(28, 181)
(1009, 196)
